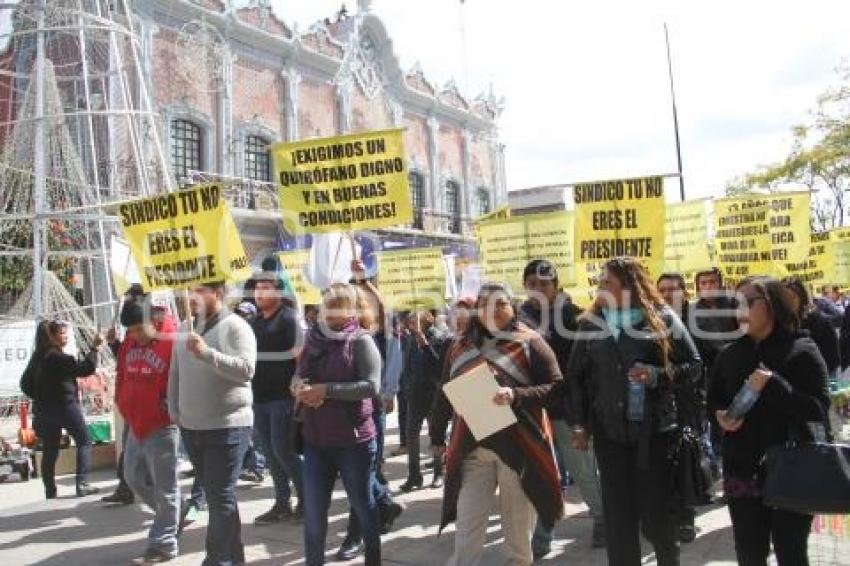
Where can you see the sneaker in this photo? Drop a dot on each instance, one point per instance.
(598, 538)
(412, 484)
(84, 489)
(351, 548)
(119, 497)
(274, 515)
(153, 556)
(437, 482)
(252, 476)
(188, 515)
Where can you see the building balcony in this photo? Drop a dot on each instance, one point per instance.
(245, 195)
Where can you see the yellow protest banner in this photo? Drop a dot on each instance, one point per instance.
(501, 213)
(840, 247)
(294, 262)
(818, 268)
(506, 246)
(412, 279)
(184, 239)
(351, 182)
(761, 234)
(686, 249)
(619, 218)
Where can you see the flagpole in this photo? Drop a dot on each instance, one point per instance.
(463, 54)
(675, 115)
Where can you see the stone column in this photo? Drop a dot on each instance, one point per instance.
(343, 102)
(467, 190)
(433, 164)
(291, 80)
(397, 111)
(502, 177)
(226, 155)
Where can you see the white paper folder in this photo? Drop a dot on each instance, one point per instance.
(471, 395)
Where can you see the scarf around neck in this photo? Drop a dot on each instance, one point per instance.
(322, 341)
(620, 319)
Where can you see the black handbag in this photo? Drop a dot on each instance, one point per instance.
(691, 470)
(810, 478)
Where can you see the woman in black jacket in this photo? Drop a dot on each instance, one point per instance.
(56, 402)
(788, 379)
(630, 353)
(812, 320)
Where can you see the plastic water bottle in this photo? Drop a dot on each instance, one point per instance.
(635, 401)
(743, 402)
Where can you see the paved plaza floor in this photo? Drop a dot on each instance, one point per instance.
(71, 531)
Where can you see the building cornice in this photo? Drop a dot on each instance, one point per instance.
(261, 46)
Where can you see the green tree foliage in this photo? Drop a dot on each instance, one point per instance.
(819, 158)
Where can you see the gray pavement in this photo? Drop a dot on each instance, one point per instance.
(71, 531)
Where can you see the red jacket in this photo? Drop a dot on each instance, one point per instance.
(141, 384)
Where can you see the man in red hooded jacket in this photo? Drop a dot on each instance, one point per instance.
(150, 457)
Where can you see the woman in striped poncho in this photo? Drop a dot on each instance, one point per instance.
(519, 459)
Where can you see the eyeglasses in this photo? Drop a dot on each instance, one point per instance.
(753, 300)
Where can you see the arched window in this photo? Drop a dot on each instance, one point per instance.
(417, 197)
(452, 206)
(185, 148)
(257, 159)
(482, 201)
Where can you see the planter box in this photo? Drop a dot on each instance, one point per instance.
(102, 458)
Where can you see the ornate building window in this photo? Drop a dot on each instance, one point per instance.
(482, 201)
(417, 198)
(186, 142)
(257, 159)
(452, 206)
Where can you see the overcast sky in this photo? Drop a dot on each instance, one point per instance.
(586, 88)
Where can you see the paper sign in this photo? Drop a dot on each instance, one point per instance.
(471, 395)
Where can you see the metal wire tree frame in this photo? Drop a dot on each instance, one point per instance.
(77, 133)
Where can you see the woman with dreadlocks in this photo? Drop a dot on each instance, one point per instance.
(630, 353)
(519, 459)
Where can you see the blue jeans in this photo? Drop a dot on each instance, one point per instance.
(196, 496)
(50, 419)
(381, 492)
(321, 466)
(582, 468)
(150, 468)
(273, 424)
(217, 457)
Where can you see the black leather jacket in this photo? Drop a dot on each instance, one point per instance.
(597, 380)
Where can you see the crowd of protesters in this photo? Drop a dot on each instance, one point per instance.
(602, 398)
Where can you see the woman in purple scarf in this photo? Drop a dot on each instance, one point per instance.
(339, 373)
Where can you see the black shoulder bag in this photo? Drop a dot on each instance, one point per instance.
(808, 477)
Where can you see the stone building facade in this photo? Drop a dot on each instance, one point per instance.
(227, 81)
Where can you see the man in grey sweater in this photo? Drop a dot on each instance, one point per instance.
(209, 396)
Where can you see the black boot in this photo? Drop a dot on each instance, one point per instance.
(50, 490)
